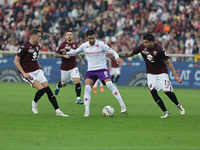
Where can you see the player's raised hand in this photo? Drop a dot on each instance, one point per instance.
(119, 61)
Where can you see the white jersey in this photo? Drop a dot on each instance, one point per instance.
(95, 54)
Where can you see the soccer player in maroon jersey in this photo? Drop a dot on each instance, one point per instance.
(115, 70)
(27, 63)
(68, 68)
(156, 59)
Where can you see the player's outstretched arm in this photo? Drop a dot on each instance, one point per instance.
(74, 52)
(171, 67)
(119, 61)
(61, 56)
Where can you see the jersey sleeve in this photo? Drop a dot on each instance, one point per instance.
(22, 50)
(59, 48)
(137, 49)
(74, 52)
(165, 55)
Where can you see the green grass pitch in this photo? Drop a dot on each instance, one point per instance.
(140, 129)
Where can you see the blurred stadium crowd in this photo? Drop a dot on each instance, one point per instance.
(121, 23)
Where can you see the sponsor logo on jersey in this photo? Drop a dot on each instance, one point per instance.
(87, 46)
(74, 45)
(93, 52)
(35, 55)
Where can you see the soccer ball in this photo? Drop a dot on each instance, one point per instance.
(108, 111)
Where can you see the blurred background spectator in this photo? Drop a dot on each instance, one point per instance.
(121, 23)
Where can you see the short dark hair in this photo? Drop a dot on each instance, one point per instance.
(34, 31)
(90, 32)
(68, 31)
(149, 37)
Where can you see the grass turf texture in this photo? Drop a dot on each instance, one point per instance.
(140, 129)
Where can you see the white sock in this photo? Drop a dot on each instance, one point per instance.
(58, 110)
(96, 83)
(115, 92)
(101, 84)
(87, 97)
(78, 98)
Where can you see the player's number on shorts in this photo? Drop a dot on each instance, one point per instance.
(167, 83)
(150, 58)
(106, 73)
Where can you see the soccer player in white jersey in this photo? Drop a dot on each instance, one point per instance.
(97, 69)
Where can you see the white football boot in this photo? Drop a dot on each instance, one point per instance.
(34, 107)
(86, 114)
(181, 109)
(123, 109)
(165, 115)
(61, 114)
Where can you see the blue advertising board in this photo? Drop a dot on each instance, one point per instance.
(133, 73)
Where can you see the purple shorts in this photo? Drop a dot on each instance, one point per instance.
(101, 74)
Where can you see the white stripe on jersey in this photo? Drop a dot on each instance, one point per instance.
(96, 54)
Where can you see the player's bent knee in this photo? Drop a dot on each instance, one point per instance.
(88, 88)
(154, 93)
(76, 80)
(41, 92)
(109, 84)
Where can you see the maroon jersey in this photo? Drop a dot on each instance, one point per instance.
(29, 54)
(154, 58)
(67, 63)
(114, 64)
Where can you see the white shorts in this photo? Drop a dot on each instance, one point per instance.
(160, 81)
(35, 75)
(69, 75)
(115, 71)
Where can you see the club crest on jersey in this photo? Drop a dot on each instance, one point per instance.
(154, 53)
(97, 45)
(74, 45)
